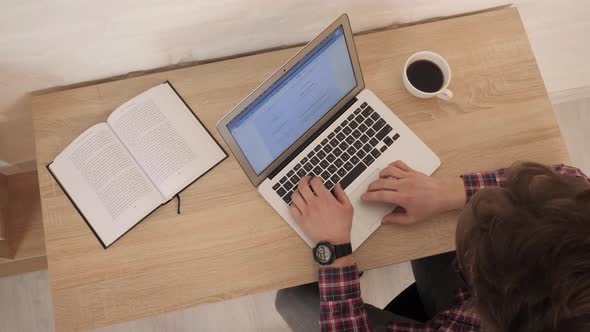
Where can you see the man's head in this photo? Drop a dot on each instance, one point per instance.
(525, 251)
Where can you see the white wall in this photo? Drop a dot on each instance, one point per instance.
(48, 43)
(559, 32)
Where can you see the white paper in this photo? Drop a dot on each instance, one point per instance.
(165, 138)
(104, 181)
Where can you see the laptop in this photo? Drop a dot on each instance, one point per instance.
(314, 116)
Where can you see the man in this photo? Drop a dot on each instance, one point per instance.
(523, 252)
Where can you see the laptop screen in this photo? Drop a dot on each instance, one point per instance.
(294, 103)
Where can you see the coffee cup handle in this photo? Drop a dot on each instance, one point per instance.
(445, 95)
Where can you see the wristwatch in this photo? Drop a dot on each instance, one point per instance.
(326, 253)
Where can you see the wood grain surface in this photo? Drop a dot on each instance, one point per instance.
(228, 242)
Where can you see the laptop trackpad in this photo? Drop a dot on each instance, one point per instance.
(367, 215)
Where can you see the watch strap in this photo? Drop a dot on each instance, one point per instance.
(342, 250)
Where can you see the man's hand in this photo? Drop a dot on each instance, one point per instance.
(322, 216)
(417, 195)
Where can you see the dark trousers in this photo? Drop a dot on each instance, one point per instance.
(436, 282)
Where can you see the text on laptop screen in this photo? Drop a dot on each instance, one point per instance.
(286, 110)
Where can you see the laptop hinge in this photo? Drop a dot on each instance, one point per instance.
(320, 130)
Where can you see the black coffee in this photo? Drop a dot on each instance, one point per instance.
(425, 76)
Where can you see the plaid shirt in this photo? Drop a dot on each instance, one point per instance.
(341, 305)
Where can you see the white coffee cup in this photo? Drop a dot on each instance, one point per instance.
(443, 93)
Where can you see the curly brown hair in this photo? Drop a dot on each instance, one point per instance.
(525, 251)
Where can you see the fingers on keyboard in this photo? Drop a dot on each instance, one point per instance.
(346, 152)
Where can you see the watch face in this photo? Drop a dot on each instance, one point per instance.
(323, 253)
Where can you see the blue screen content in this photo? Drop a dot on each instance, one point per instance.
(281, 115)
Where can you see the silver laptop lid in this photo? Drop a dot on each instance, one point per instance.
(273, 122)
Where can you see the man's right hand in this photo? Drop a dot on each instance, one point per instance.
(418, 195)
(321, 215)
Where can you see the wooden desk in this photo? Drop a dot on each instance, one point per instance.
(228, 242)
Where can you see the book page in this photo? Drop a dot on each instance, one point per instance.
(105, 182)
(165, 138)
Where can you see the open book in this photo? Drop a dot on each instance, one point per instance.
(119, 171)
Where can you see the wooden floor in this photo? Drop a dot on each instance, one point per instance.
(25, 300)
(25, 303)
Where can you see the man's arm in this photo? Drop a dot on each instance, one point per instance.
(476, 181)
(341, 305)
(326, 217)
(419, 196)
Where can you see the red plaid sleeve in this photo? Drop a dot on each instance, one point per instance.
(571, 171)
(477, 181)
(341, 306)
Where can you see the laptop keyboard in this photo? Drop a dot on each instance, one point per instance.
(344, 154)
